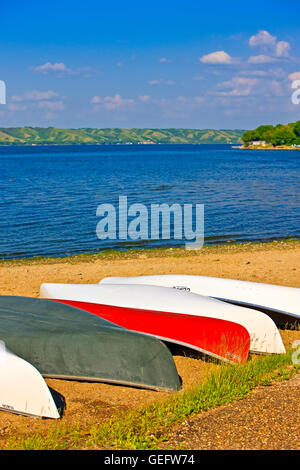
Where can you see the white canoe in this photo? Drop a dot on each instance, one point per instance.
(282, 303)
(22, 388)
(264, 335)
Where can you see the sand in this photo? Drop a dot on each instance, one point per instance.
(90, 403)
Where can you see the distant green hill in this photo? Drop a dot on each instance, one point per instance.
(52, 135)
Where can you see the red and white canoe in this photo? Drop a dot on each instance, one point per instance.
(221, 339)
(281, 303)
(264, 335)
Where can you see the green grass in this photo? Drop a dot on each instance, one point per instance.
(178, 252)
(149, 427)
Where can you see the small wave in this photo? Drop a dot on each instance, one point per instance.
(163, 187)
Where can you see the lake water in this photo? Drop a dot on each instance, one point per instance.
(49, 195)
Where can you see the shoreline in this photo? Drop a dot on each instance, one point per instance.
(133, 253)
(272, 263)
(113, 144)
(266, 147)
(234, 145)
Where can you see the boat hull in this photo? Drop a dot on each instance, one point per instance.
(281, 303)
(23, 389)
(65, 342)
(264, 335)
(221, 339)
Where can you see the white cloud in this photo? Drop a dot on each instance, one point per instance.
(155, 82)
(164, 60)
(261, 59)
(35, 95)
(144, 98)
(199, 99)
(277, 73)
(294, 76)
(61, 70)
(262, 39)
(17, 107)
(112, 103)
(58, 67)
(52, 105)
(269, 86)
(255, 73)
(269, 44)
(161, 81)
(218, 57)
(238, 86)
(96, 99)
(36, 99)
(87, 72)
(282, 49)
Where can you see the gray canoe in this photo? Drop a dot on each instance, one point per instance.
(69, 343)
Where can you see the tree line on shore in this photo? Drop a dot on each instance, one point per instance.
(281, 134)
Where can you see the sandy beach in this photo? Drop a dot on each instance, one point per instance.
(90, 403)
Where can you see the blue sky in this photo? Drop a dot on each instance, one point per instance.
(186, 64)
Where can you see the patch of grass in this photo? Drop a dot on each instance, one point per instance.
(148, 427)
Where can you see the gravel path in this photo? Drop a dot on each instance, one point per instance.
(269, 419)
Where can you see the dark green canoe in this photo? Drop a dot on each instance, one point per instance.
(66, 342)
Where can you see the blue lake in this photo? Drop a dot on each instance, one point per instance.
(49, 195)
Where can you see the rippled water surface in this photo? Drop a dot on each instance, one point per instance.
(49, 195)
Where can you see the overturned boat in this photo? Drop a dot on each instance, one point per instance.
(264, 335)
(281, 303)
(68, 343)
(221, 339)
(22, 388)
